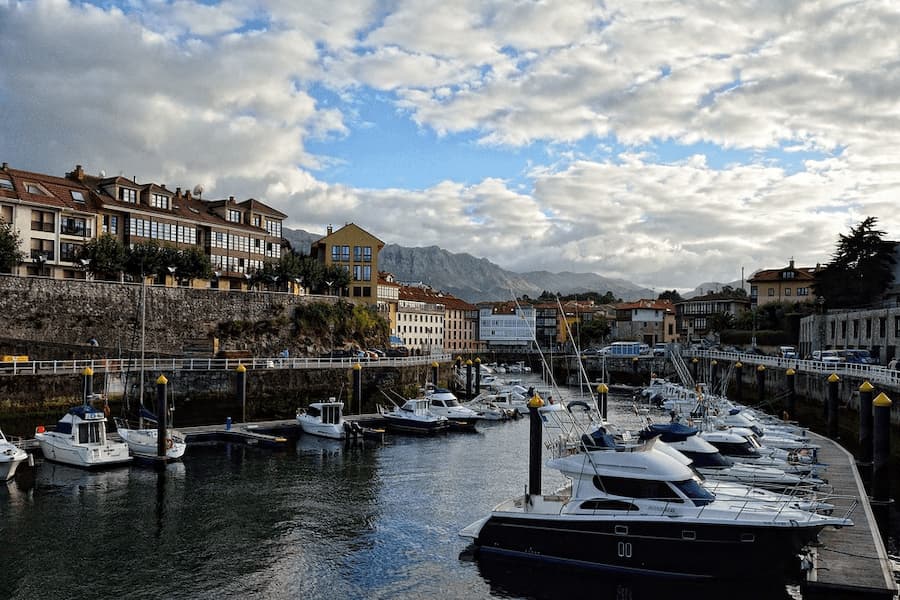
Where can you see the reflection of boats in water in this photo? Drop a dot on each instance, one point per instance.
(512, 579)
(66, 479)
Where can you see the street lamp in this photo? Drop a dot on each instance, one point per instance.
(820, 309)
(85, 263)
(329, 284)
(248, 277)
(39, 260)
(275, 282)
(216, 275)
(171, 270)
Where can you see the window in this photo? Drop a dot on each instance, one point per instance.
(367, 253)
(868, 329)
(257, 221)
(357, 253)
(754, 291)
(159, 201)
(367, 273)
(6, 184)
(69, 251)
(345, 253)
(74, 226)
(636, 488)
(42, 221)
(335, 253)
(77, 196)
(843, 329)
(882, 326)
(787, 291)
(896, 325)
(787, 275)
(855, 327)
(771, 291)
(33, 188)
(128, 195)
(41, 248)
(234, 216)
(802, 291)
(273, 227)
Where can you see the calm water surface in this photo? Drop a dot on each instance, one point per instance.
(317, 520)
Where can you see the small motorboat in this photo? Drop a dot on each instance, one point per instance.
(445, 403)
(143, 441)
(11, 456)
(79, 439)
(324, 419)
(414, 416)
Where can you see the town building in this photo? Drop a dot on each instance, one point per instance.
(790, 284)
(647, 321)
(876, 330)
(695, 317)
(420, 320)
(506, 325)
(388, 299)
(356, 250)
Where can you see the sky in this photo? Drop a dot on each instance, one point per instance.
(665, 143)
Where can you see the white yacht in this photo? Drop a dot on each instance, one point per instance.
(80, 440)
(414, 416)
(143, 442)
(11, 456)
(324, 419)
(445, 403)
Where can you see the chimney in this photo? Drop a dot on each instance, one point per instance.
(329, 230)
(178, 193)
(230, 199)
(6, 166)
(791, 264)
(187, 194)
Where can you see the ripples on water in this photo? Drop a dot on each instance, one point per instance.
(318, 520)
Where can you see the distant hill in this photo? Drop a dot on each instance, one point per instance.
(714, 286)
(478, 279)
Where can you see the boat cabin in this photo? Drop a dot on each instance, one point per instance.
(86, 424)
(417, 406)
(327, 412)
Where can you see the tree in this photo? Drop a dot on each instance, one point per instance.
(861, 268)
(595, 330)
(719, 322)
(10, 254)
(145, 258)
(107, 255)
(192, 263)
(671, 295)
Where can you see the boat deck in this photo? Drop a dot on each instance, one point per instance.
(850, 562)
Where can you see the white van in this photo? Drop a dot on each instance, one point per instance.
(788, 351)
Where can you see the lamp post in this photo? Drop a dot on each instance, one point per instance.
(39, 260)
(85, 263)
(275, 282)
(331, 335)
(216, 275)
(820, 309)
(171, 269)
(329, 284)
(248, 277)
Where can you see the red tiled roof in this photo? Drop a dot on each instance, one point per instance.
(59, 188)
(649, 304)
(801, 274)
(256, 206)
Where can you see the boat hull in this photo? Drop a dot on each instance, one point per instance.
(142, 443)
(326, 430)
(9, 465)
(416, 426)
(674, 550)
(86, 456)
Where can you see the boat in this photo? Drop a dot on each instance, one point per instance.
(638, 510)
(445, 403)
(324, 419)
(80, 440)
(11, 456)
(413, 416)
(143, 441)
(486, 407)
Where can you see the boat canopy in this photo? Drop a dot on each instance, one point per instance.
(669, 432)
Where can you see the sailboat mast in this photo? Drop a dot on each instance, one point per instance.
(143, 334)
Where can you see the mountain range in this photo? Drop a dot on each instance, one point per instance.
(478, 279)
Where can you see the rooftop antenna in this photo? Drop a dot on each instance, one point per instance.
(102, 173)
(198, 191)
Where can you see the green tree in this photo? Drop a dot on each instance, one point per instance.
(594, 331)
(10, 254)
(671, 295)
(861, 268)
(107, 255)
(193, 263)
(145, 258)
(719, 322)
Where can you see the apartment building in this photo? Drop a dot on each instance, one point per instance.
(647, 321)
(506, 325)
(356, 250)
(694, 317)
(420, 320)
(790, 284)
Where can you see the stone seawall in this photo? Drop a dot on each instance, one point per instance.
(204, 397)
(70, 312)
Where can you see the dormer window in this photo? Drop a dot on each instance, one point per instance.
(787, 275)
(159, 201)
(128, 195)
(234, 216)
(6, 184)
(33, 188)
(77, 196)
(257, 221)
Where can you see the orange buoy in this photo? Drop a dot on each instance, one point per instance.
(40, 429)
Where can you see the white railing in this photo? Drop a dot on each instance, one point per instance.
(111, 365)
(872, 373)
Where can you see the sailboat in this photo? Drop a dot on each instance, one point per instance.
(143, 441)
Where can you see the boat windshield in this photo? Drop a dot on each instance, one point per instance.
(90, 433)
(451, 402)
(691, 488)
(709, 460)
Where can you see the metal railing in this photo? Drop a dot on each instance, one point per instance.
(114, 365)
(873, 373)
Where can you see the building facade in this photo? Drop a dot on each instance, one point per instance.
(647, 321)
(876, 330)
(695, 317)
(506, 325)
(420, 320)
(356, 250)
(790, 284)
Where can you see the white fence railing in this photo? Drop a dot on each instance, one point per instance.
(875, 374)
(209, 364)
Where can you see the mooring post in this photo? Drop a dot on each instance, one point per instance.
(458, 362)
(357, 387)
(791, 403)
(161, 416)
(87, 384)
(241, 389)
(434, 373)
(882, 446)
(602, 394)
(866, 442)
(477, 375)
(738, 380)
(634, 367)
(832, 406)
(469, 378)
(694, 362)
(760, 383)
(535, 442)
(713, 375)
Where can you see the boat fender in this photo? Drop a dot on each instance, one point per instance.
(40, 429)
(169, 443)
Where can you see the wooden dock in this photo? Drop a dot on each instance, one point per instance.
(850, 562)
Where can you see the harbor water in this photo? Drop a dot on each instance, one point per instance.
(316, 520)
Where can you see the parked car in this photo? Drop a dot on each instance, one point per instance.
(788, 351)
(659, 349)
(828, 356)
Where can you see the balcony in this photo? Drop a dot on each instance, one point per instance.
(76, 228)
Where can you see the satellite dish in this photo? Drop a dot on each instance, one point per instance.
(102, 173)
(198, 190)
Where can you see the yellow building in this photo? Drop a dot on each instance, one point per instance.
(791, 284)
(356, 250)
